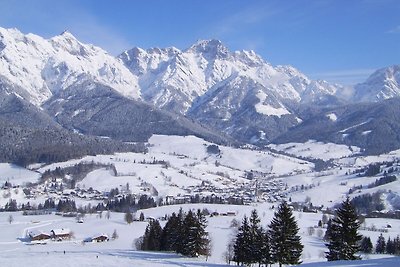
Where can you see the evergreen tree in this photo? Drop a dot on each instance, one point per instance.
(390, 247)
(242, 246)
(380, 245)
(286, 247)
(152, 236)
(190, 235)
(396, 242)
(256, 238)
(180, 233)
(266, 250)
(202, 241)
(141, 217)
(343, 235)
(171, 234)
(366, 245)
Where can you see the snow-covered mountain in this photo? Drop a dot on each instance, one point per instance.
(382, 84)
(43, 67)
(237, 93)
(175, 80)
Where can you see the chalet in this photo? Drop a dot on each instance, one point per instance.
(59, 234)
(37, 235)
(100, 238)
(97, 238)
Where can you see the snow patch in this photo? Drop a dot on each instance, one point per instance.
(268, 109)
(354, 126)
(332, 116)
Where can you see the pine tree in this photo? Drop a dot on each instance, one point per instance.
(256, 238)
(286, 247)
(343, 236)
(266, 250)
(332, 236)
(152, 236)
(171, 236)
(380, 245)
(366, 245)
(190, 235)
(242, 247)
(396, 242)
(390, 247)
(179, 244)
(202, 241)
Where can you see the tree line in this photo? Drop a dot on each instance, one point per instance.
(183, 233)
(391, 246)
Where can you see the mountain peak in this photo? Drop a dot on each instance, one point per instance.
(11, 33)
(67, 33)
(210, 48)
(68, 42)
(382, 84)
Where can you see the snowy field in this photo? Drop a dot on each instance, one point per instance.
(14, 251)
(317, 150)
(16, 175)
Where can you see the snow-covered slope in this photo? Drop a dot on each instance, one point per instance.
(374, 127)
(317, 150)
(382, 84)
(45, 66)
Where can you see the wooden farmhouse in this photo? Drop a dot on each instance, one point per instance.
(37, 235)
(60, 234)
(100, 238)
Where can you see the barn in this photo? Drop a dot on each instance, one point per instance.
(38, 235)
(60, 234)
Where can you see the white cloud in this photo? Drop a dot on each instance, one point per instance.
(394, 30)
(249, 16)
(345, 77)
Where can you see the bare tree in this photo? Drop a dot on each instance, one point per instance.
(108, 215)
(10, 219)
(128, 217)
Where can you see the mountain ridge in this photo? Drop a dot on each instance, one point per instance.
(220, 94)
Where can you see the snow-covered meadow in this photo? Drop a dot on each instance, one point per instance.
(15, 252)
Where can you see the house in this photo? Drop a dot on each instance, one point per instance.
(97, 238)
(59, 234)
(37, 235)
(100, 238)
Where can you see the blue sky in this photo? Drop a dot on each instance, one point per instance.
(337, 40)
